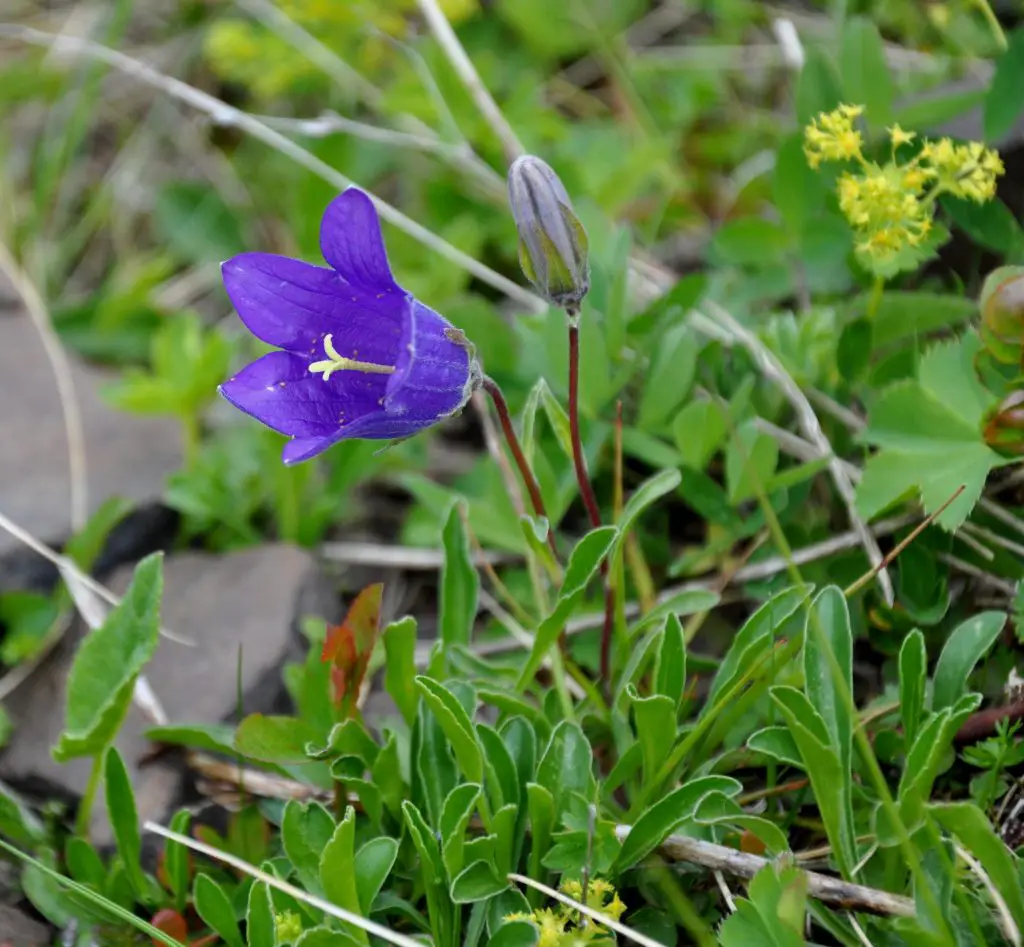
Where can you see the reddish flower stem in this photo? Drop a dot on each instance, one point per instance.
(587, 491)
(532, 487)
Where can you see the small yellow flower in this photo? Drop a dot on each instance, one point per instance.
(899, 136)
(968, 171)
(832, 137)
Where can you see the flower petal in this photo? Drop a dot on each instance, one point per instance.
(431, 372)
(279, 390)
(378, 426)
(351, 241)
(293, 305)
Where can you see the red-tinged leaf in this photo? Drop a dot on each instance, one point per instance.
(348, 647)
(171, 923)
(208, 941)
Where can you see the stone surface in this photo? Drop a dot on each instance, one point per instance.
(17, 929)
(250, 600)
(126, 455)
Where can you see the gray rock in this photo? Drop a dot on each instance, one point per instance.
(126, 455)
(17, 929)
(246, 602)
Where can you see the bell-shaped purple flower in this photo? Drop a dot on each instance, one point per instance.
(360, 357)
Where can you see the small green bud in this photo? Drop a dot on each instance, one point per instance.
(552, 241)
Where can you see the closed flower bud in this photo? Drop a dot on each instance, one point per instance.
(1002, 314)
(552, 241)
(1004, 426)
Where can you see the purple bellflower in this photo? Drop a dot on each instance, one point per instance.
(360, 357)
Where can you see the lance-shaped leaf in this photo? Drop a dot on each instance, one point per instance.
(348, 647)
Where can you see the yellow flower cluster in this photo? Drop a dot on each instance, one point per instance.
(563, 926)
(832, 137)
(890, 206)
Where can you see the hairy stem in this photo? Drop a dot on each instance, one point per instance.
(586, 490)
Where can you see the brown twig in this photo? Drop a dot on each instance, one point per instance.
(983, 723)
(900, 546)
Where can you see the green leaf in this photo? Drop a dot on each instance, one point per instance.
(913, 677)
(669, 378)
(515, 934)
(853, 351)
(460, 584)
(84, 863)
(926, 445)
(439, 907)
(214, 737)
(338, 871)
(280, 740)
(866, 79)
(749, 241)
(457, 727)
(665, 816)
(818, 88)
(306, 828)
(540, 804)
(924, 761)
(195, 223)
(775, 915)
(699, 429)
(648, 493)
(108, 661)
(909, 315)
(750, 461)
(655, 724)
(1003, 103)
(584, 562)
(964, 648)
(799, 193)
(124, 819)
(214, 907)
(947, 373)
(259, 917)
(829, 680)
(826, 773)
(455, 817)
(969, 824)
(324, 937)
(502, 780)
(756, 637)
(566, 766)
(991, 225)
(400, 665)
(17, 820)
(716, 808)
(670, 670)
(477, 882)
(778, 743)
